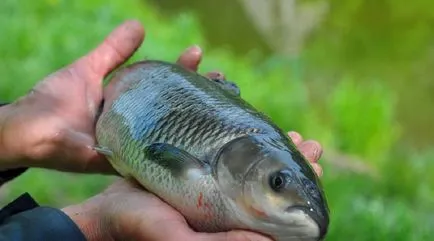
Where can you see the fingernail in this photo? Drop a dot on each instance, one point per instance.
(195, 48)
(318, 170)
(295, 137)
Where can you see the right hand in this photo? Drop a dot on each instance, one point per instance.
(125, 211)
(311, 149)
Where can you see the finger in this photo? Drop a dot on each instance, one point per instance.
(190, 58)
(116, 48)
(215, 75)
(312, 150)
(295, 137)
(157, 230)
(235, 235)
(124, 184)
(318, 169)
(89, 161)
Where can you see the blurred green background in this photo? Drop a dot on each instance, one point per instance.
(354, 75)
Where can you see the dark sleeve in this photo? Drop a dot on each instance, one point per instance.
(25, 220)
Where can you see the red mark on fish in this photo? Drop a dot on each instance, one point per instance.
(205, 206)
(200, 200)
(258, 212)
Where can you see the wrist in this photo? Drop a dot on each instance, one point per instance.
(86, 217)
(7, 159)
(16, 148)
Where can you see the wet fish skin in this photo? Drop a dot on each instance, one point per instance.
(196, 144)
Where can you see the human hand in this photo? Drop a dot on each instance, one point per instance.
(311, 150)
(53, 126)
(125, 211)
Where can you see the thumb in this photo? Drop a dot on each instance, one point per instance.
(79, 156)
(116, 49)
(190, 58)
(235, 235)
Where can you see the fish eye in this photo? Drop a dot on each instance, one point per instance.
(277, 181)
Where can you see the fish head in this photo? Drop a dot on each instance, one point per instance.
(272, 188)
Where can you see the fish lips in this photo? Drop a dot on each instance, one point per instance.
(321, 220)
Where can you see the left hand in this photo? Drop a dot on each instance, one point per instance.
(53, 126)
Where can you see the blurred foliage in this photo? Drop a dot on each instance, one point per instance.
(372, 108)
(387, 31)
(359, 118)
(387, 39)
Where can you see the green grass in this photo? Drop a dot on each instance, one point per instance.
(39, 37)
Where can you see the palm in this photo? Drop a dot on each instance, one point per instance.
(74, 101)
(56, 120)
(61, 109)
(140, 215)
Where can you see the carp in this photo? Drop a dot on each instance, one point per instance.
(209, 154)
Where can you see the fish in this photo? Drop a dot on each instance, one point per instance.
(208, 153)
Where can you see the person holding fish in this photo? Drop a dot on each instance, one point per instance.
(53, 127)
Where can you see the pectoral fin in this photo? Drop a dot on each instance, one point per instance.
(177, 161)
(103, 150)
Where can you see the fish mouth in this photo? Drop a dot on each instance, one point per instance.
(322, 222)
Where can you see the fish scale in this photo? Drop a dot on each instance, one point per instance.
(162, 105)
